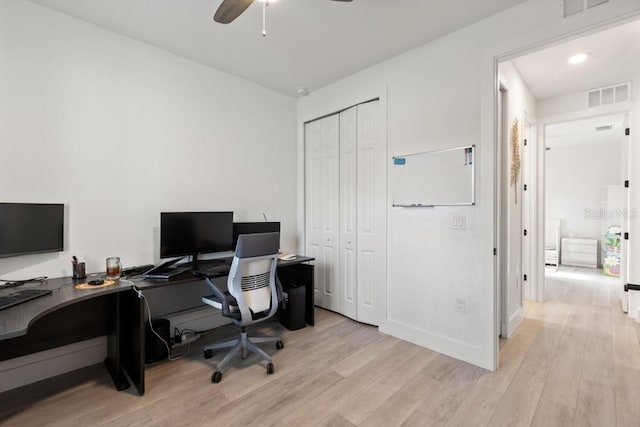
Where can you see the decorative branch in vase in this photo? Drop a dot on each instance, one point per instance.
(515, 158)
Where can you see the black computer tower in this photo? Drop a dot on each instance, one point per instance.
(155, 349)
(292, 309)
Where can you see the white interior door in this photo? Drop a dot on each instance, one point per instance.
(348, 214)
(626, 205)
(371, 212)
(322, 206)
(501, 214)
(528, 209)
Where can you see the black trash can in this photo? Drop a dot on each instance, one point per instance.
(154, 349)
(292, 312)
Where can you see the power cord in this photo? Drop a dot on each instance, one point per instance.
(166, 344)
(63, 285)
(187, 335)
(13, 283)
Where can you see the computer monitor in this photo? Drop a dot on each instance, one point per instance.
(253, 227)
(193, 233)
(30, 228)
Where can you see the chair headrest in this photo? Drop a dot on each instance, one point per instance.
(258, 244)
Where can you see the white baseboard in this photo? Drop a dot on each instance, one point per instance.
(28, 369)
(34, 367)
(514, 321)
(436, 342)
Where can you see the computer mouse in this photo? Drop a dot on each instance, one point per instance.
(95, 282)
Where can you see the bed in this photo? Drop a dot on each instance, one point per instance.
(552, 242)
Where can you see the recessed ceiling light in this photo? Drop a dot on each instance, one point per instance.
(578, 58)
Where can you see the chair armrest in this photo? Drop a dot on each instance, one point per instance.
(228, 301)
(216, 291)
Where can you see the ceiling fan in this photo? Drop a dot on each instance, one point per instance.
(231, 9)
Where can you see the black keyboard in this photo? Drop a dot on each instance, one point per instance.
(164, 273)
(137, 270)
(21, 296)
(217, 268)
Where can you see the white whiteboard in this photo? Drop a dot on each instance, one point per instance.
(435, 178)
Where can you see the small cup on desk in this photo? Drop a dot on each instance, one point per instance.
(79, 270)
(114, 268)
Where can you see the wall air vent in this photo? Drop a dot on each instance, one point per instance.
(571, 7)
(594, 3)
(608, 95)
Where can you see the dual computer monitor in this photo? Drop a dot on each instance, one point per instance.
(192, 233)
(31, 228)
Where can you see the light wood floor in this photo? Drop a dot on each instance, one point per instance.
(575, 360)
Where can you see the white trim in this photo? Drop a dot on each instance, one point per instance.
(530, 202)
(514, 321)
(436, 342)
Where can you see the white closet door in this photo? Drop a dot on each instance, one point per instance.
(371, 222)
(322, 206)
(348, 214)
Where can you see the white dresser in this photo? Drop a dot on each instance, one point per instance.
(579, 252)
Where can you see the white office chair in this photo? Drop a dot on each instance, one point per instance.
(252, 297)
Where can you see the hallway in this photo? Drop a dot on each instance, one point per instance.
(574, 360)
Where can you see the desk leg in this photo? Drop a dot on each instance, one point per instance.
(310, 308)
(132, 317)
(113, 362)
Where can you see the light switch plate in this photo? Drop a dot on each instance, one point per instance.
(458, 222)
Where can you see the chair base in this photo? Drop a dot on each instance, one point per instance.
(240, 346)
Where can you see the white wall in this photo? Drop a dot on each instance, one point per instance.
(558, 106)
(119, 131)
(441, 95)
(576, 177)
(521, 104)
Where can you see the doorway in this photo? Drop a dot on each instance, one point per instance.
(584, 200)
(594, 95)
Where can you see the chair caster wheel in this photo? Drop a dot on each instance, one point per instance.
(279, 345)
(216, 377)
(270, 369)
(208, 354)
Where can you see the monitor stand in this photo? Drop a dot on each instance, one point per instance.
(209, 266)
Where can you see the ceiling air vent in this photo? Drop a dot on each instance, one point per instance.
(608, 95)
(571, 7)
(603, 128)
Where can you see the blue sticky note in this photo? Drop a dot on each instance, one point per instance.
(399, 160)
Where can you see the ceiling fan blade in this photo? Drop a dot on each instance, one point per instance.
(230, 10)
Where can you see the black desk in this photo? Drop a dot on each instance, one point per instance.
(70, 315)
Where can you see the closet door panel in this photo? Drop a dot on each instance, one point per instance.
(371, 228)
(348, 213)
(313, 199)
(322, 206)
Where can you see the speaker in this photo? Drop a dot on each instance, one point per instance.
(292, 310)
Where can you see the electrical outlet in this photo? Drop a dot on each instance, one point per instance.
(461, 305)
